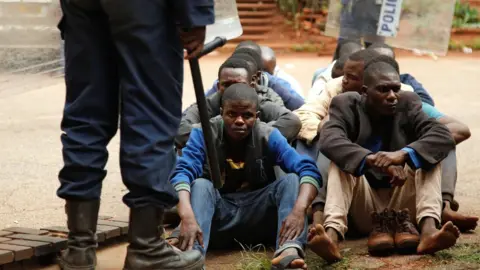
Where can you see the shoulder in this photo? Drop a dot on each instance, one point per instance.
(263, 129)
(408, 97)
(346, 99)
(334, 86)
(215, 122)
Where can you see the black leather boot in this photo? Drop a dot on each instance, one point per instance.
(82, 240)
(148, 249)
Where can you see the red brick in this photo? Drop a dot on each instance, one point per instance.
(40, 248)
(21, 253)
(57, 242)
(25, 231)
(122, 225)
(64, 230)
(6, 257)
(110, 232)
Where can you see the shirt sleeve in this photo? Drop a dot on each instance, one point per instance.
(290, 97)
(415, 161)
(292, 162)
(212, 90)
(431, 111)
(190, 165)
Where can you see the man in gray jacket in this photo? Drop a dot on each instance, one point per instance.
(232, 71)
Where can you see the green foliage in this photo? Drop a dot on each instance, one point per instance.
(464, 15)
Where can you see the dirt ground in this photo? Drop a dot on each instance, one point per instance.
(31, 157)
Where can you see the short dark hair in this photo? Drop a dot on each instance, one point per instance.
(340, 63)
(249, 44)
(237, 63)
(240, 91)
(247, 57)
(376, 68)
(349, 48)
(385, 59)
(364, 56)
(254, 54)
(382, 45)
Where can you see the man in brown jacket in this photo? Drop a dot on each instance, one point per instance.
(385, 153)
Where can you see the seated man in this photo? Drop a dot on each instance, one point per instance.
(321, 78)
(449, 166)
(270, 66)
(250, 205)
(383, 49)
(262, 90)
(290, 97)
(385, 153)
(233, 71)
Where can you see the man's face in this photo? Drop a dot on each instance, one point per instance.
(382, 93)
(239, 116)
(353, 76)
(229, 76)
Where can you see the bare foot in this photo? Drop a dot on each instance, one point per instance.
(296, 264)
(322, 245)
(463, 222)
(434, 241)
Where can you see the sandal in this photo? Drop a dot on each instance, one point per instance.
(285, 262)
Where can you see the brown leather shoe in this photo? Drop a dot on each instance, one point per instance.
(381, 239)
(407, 237)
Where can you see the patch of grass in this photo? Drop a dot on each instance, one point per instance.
(315, 262)
(468, 253)
(254, 258)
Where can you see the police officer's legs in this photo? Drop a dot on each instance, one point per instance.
(151, 71)
(89, 122)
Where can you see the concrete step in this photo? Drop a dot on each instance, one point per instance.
(256, 6)
(256, 14)
(255, 21)
(249, 29)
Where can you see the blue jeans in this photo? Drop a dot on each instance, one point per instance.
(248, 218)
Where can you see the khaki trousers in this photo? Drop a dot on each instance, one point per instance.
(349, 195)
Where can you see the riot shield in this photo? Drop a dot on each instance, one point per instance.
(30, 45)
(409, 24)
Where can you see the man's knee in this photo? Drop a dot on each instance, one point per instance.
(202, 185)
(289, 182)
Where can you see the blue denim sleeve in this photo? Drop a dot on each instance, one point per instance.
(417, 88)
(212, 90)
(191, 13)
(414, 158)
(292, 162)
(190, 165)
(290, 97)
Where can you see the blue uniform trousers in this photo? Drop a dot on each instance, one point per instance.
(124, 54)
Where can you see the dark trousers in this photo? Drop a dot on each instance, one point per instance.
(127, 51)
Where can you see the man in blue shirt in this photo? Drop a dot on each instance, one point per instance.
(249, 205)
(290, 97)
